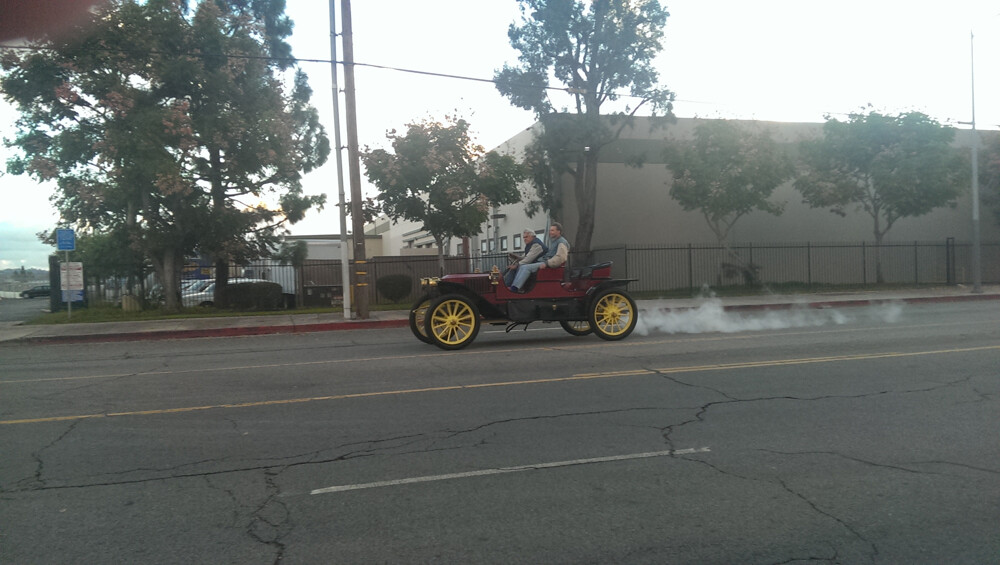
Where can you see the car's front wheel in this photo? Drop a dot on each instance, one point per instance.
(452, 321)
(613, 314)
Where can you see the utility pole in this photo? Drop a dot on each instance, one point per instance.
(354, 163)
(977, 275)
(345, 254)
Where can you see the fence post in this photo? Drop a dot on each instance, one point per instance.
(690, 269)
(809, 262)
(916, 271)
(949, 260)
(864, 263)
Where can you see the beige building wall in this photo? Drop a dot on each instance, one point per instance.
(634, 204)
(327, 247)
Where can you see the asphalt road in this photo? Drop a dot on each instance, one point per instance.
(22, 309)
(854, 436)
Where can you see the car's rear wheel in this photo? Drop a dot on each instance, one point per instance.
(452, 321)
(613, 314)
(417, 315)
(577, 327)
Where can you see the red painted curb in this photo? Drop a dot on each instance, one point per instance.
(218, 332)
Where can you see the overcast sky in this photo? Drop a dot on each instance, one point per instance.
(778, 60)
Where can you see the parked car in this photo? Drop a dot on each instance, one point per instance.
(205, 296)
(36, 291)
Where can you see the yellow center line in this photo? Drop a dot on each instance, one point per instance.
(564, 347)
(577, 377)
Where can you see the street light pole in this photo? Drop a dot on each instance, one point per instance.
(345, 257)
(977, 282)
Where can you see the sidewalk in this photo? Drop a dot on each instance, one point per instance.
(302, 323)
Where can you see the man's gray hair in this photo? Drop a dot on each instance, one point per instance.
(527, 231)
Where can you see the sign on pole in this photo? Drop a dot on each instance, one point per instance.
(65, 240)
(71, 281)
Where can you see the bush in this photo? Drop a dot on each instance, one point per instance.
(394, 287)
(250, 296)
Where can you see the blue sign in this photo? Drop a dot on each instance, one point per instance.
(65, 240)
(72, 296)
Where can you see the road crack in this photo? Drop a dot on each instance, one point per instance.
(271, 521)
(33, 482)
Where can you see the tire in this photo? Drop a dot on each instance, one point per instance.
(577, 327)
(417, 314)
(613, 314)
(452, 321)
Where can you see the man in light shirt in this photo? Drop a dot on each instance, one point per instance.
(556, 256)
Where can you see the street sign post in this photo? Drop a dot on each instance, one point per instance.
(70, 274)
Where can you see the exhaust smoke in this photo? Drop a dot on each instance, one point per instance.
(711, 316)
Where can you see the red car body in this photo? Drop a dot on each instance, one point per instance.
(583, 301)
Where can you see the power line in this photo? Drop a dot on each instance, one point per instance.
(568, 89)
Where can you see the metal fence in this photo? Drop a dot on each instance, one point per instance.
(663, 268)
(656, 268)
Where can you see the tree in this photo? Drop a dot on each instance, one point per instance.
(170, 126)
(596, 50)
(255, 140)
(726, 173)
(891, 167)
(436, 176)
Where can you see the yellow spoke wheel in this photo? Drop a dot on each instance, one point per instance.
(452, 321)
(613, 314)
(417, 314)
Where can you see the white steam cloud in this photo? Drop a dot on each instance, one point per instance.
(711, 316)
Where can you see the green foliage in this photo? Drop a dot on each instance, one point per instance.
(109, 254)
(250, 296)
(293, 253)
(597, 51)
(160, 123)
(726, 173)
(891, 167)
(395, 287)
(437, 177)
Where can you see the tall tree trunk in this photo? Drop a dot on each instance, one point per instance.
(167, 263)
(218, 210)
(439, 241)
(585, 185)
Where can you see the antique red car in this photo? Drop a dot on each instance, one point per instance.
(583, 301)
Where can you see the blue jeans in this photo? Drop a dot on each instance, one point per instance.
(523, 272)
